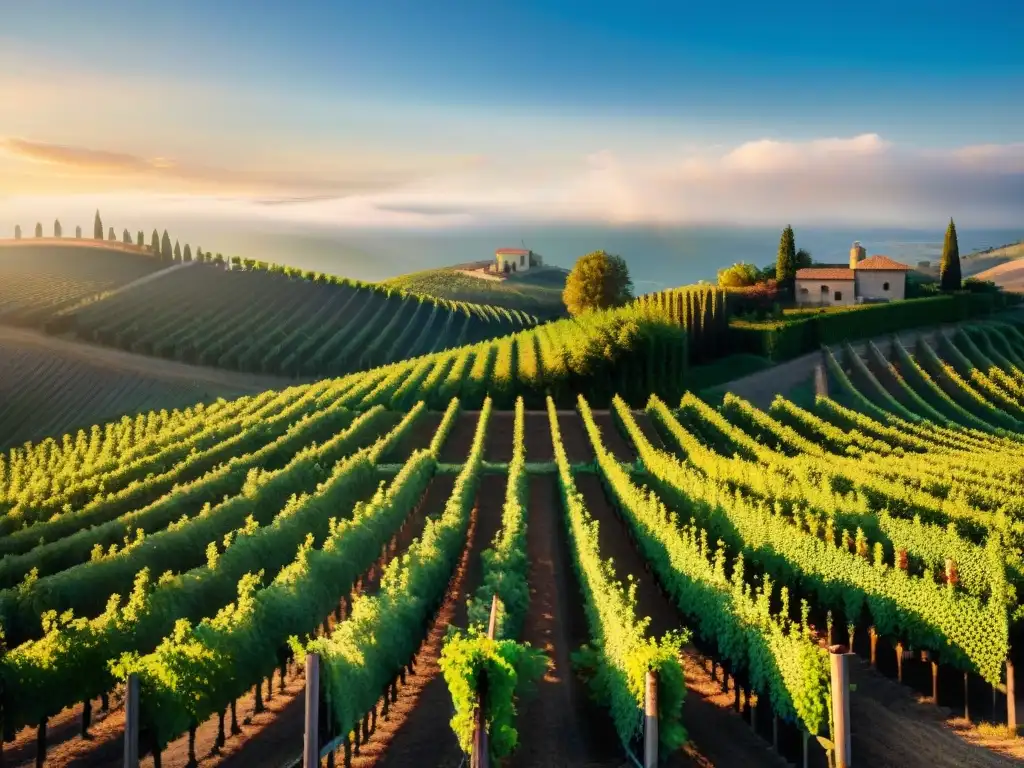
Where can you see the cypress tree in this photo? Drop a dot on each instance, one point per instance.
(785, 264)
(154, 244)
(57, 231)
(127, 237)
(187, 254)
(97, 227)
(112, 236)
(949, 270)
(177, 251)
(39, 229)
(17, 231)
(78, 232)
(166, 251)
(199, 253)
(140, 239)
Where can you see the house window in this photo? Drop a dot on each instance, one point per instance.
(885, 286)
(522, 259)
(824, 289)
(839, 295)
(804, 291)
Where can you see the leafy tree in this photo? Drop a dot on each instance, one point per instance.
(112, 236)
(166, 252)
(140, 239)
(598, 280)
(97, 227)
(785, 263)
(17, 231)
(177, 251)
(199, 253)
(803, 259)
(949, 268)
(738, 275)
(154, 244)
(126, 238)
(39, 229)
(57, 231)
(187, 254)
(78, 232)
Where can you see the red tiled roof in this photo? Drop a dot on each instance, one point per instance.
(513, 251)
(882, 262)
(825, 273)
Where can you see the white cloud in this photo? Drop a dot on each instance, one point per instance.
(861, 179)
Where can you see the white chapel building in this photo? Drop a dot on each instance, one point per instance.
(877, 278)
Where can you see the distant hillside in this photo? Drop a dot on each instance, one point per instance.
(51, 386)
(238, 314)
(538, 292)
(1009, 275)
(973, 264)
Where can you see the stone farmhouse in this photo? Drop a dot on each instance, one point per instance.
(873, 279)
(516, 260)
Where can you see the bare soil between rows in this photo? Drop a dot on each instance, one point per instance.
(574, 438)
(559, 724)
(621, 448)
(460, 440)
(420, 734)
(537, 434)
(718, 736)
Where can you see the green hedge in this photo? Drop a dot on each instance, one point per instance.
(785, 339)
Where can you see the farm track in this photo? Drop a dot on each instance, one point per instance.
(418, 731)
(718, 737)
(893, 729)
(559, 724)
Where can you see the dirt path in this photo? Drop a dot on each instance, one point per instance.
(500, 437)
(456, 447)
(559, 725)
(892, 728)
(153, 367)
(421, 735)
(718, 736)
(574, 437)
(537, 433)
(760, 388)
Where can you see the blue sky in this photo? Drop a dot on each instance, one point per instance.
(455, 112)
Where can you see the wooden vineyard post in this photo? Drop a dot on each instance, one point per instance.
(841, 706)
(311, 743)
(131, 723)
(935, 682)
(1011, 700)
(493, 621)
(651, 721)
(899, 661)
(874, 646)
(480, 758)
(806, 737)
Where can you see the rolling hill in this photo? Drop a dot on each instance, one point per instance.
(538, 292)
